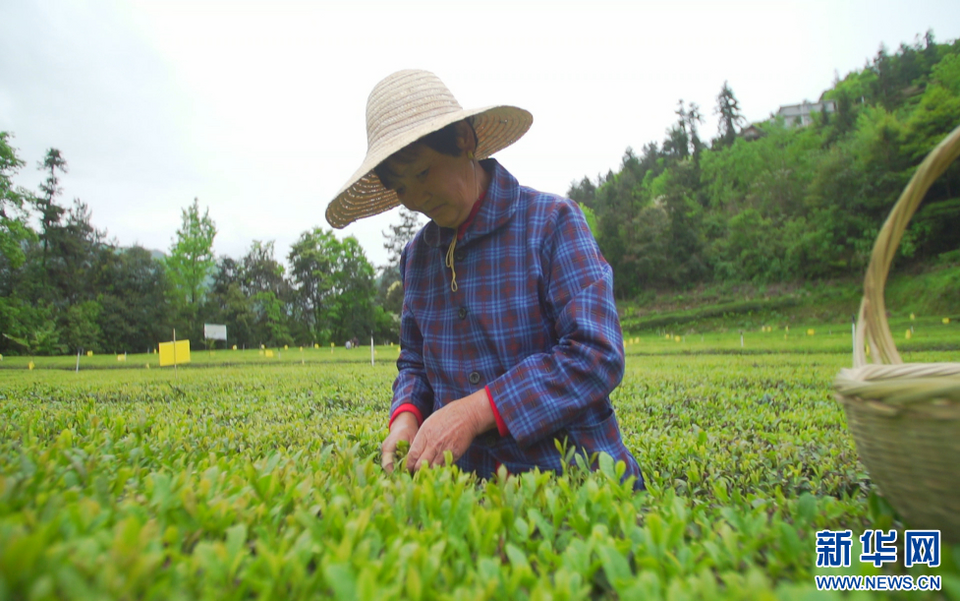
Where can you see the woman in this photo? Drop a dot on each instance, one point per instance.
(510, 340)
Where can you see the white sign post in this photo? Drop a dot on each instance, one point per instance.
(214, 331)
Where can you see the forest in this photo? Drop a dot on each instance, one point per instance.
(773, 201)
(780, 202)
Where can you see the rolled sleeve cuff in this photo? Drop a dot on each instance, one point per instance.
(501, 425)
(412, 409)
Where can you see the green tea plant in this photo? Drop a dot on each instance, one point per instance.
(263, 481)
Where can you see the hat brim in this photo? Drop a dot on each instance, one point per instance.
(364, 196)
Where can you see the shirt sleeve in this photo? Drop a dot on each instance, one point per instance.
(548, 391)
(411, 386)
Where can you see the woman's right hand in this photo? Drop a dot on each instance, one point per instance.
(404, 427)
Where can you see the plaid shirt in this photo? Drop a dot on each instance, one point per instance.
(533, 320)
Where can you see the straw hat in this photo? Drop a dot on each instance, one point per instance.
(401, 109)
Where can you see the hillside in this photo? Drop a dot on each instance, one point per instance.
(930, 294)
(788, 199)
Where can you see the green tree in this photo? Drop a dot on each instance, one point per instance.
(14, 204)
(27, 323)
(79, 328)
(228, 304)
(645, 264)
(133, 292)
(728, 110)
(311, 263)
(50, 212)
(260, 272)
(694, 120)
(395, 240)
(582, 192)
(191, 261)
(74, 255)
(677, 143)
(401, 234)
(946, 73)
(334, 286)
(273, 329)
(262, 280)
(351, 311)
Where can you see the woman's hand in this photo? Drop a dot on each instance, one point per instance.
(404, 427)
(452, 428)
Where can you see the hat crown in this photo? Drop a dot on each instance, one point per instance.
(402, 102)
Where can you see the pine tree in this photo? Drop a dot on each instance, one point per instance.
(730, 118)
(50, 212)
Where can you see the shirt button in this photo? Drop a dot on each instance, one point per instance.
(459, 255)
(463, 313)
(475, 377)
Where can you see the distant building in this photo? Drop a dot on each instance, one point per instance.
(799, 114)
(751, 133)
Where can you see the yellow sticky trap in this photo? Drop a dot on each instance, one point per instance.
(121, 357)
(89, 353)
(174, 355)
(286, 348)
(268, 353)
(316, 345)
(912, 317)
(234, 347)
(946, 320)
(810, 332)
(676, 339)
(30, 366)
(908, 335)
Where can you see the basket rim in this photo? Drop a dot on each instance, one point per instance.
(872, 326)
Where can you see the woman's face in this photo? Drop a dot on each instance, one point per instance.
(440, 186)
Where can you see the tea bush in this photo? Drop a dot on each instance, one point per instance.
(263, 481)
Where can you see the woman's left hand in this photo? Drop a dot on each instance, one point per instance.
(452, 428)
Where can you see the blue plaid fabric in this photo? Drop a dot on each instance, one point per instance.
(533, 319)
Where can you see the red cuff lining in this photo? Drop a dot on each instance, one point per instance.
(501, 425)
(406, 407)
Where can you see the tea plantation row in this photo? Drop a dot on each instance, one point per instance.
(263, 481)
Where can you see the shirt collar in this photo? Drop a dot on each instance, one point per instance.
(497, 207)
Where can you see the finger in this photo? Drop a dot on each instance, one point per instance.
(421, 460)
(415, 452)
(386, 461)
(430, 456)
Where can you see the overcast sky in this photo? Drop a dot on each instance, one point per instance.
(257, 108)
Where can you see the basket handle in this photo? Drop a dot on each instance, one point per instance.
(872, 322)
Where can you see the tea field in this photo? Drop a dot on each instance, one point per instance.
(244, 476)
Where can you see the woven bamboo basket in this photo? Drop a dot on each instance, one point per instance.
(905, 418)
